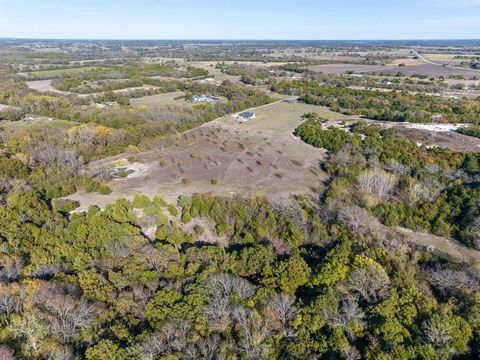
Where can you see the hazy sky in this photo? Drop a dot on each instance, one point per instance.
(241, 19)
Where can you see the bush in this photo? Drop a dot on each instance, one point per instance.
(161, 233)
(172, 210)
(141, 201)
(185, 201)
(105, 190)
(199, 230)
(161, 219)
(159, 202)
(186, 217)
(90, 185)
(151, 211)
(64, 205)
(214, 181)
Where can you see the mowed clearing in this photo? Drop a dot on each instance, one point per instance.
(160, 101)
(257, 158)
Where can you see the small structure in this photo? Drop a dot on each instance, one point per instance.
(437, 117)
(208, 81)
(245, 116)
(205, 98)
(107, 105)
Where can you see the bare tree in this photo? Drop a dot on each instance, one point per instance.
(63, 353)
(351, 353)
(11, 270)
(6, 353)
(68, 314)
(7, 304)
(346, 315)
(283, 308)
(355, 217)
(243, 288)
(190, 352)
(253, 333)
(208, 347)
(371, 283)
(448, 280)
(378, 182)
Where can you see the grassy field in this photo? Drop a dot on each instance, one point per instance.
(161, 100)
(57, 72)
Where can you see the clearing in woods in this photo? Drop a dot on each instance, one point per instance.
(261, 157)
(160, 101)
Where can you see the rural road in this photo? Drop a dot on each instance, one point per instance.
(428, 61)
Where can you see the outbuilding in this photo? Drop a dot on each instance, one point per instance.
(245, 116)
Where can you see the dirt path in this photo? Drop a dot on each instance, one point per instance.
(444, 246)
(428, 61)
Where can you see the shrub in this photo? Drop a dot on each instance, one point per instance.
(161, 219)
(172, 210)
(199, 230)
(141, 201)
(214, 181)
(161, 233)
(186, 217)
(159, 202)
(151, 211)
(185, 201)
(122, 173)
(105, 190)
(90, 185)
(64, 205)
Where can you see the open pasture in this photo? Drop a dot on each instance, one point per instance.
(261, 157)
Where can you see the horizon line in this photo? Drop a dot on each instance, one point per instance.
(235, 39)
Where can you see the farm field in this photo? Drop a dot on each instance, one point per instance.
(429, 70)
(339, 69)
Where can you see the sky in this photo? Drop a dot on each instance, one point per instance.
(241, 19)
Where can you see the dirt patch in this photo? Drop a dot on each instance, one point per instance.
(441, 245)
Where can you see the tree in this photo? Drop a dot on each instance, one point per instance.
(369, 279)
(30, 327)
(292, 273)
(104, 350)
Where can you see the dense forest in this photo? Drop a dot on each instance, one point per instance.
(289, 283)
(399, 182)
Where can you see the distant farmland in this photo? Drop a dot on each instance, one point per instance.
(55, 73)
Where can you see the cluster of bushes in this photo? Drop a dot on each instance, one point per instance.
(470, 131)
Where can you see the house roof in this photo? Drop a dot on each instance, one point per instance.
(246, 114)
